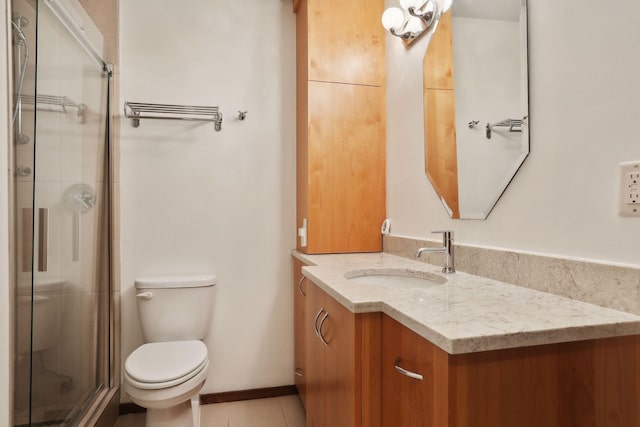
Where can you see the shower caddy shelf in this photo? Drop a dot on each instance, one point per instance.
(141, 110)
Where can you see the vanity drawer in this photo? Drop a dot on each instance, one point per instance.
(414, 386)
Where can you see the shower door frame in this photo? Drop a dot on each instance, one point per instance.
(102, 409)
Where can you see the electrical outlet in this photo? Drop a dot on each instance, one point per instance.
(630, 189)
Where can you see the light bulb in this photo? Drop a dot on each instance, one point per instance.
(392, 18)
(415, 25)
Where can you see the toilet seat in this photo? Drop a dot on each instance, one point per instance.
(161, 365)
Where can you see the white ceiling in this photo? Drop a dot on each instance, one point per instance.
(499, 10)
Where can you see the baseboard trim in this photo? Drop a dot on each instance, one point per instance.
(227, 396)
(256, 393)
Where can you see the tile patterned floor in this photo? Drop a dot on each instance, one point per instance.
(285, 411)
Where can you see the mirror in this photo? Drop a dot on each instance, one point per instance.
(476, 104)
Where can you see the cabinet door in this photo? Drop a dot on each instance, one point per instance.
(342, 365)
(299, 329)
(346, 168)
(316, 384)
(346, 41)
(411, 402)
(334, 365)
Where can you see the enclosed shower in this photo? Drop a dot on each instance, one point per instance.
(63, 350)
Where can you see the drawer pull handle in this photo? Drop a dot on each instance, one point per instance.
(320, 329)
(298, 372)
(407, 373)
(302, 279)
(315, 322)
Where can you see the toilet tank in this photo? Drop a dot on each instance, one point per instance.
(175, 308)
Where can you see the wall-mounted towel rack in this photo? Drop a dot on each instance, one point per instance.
(140, 110)
(60, 104)
(514, 125)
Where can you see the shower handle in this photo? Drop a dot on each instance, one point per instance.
(43, 239)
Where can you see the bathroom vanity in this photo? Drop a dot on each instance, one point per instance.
(455, 351)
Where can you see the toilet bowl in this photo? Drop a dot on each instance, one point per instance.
(171, 367)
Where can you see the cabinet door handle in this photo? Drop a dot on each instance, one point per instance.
(315, 322)
(320, 329)
(298, 372)
(302, 279)
(407, 373)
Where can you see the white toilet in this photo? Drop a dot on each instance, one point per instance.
(175, 314)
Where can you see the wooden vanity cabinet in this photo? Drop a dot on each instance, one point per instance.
(299, 338)
(340, 148)
(584, 383)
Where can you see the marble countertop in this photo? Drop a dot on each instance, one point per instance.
(466, 313)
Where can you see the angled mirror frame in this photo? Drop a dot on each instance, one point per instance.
(476, 104)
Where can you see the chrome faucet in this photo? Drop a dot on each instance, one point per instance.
(447, 249)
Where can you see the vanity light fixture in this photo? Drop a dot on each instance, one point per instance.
(423, 15)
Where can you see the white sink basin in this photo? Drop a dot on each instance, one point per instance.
(395, 278)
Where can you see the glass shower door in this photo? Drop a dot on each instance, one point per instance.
(69, 288)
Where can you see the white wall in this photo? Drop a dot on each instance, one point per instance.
(584, 111)
(195, 200)
(6, 324)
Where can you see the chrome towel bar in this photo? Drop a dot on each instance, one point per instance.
(514, 125)
(60, 104)
(140, 110)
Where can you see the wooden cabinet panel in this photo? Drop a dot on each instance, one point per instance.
(371, 369)
(315, 354)
(334, 371)
(302, 121)
(421, 400)
(396, 413)
(585, 383)
(299, 329)
(340, 125)
(518, 388)
(346, 41)
(346, 168)
(342, 365)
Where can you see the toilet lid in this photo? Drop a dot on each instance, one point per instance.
(165, 361)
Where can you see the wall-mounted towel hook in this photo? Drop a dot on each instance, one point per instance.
(242, 115)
